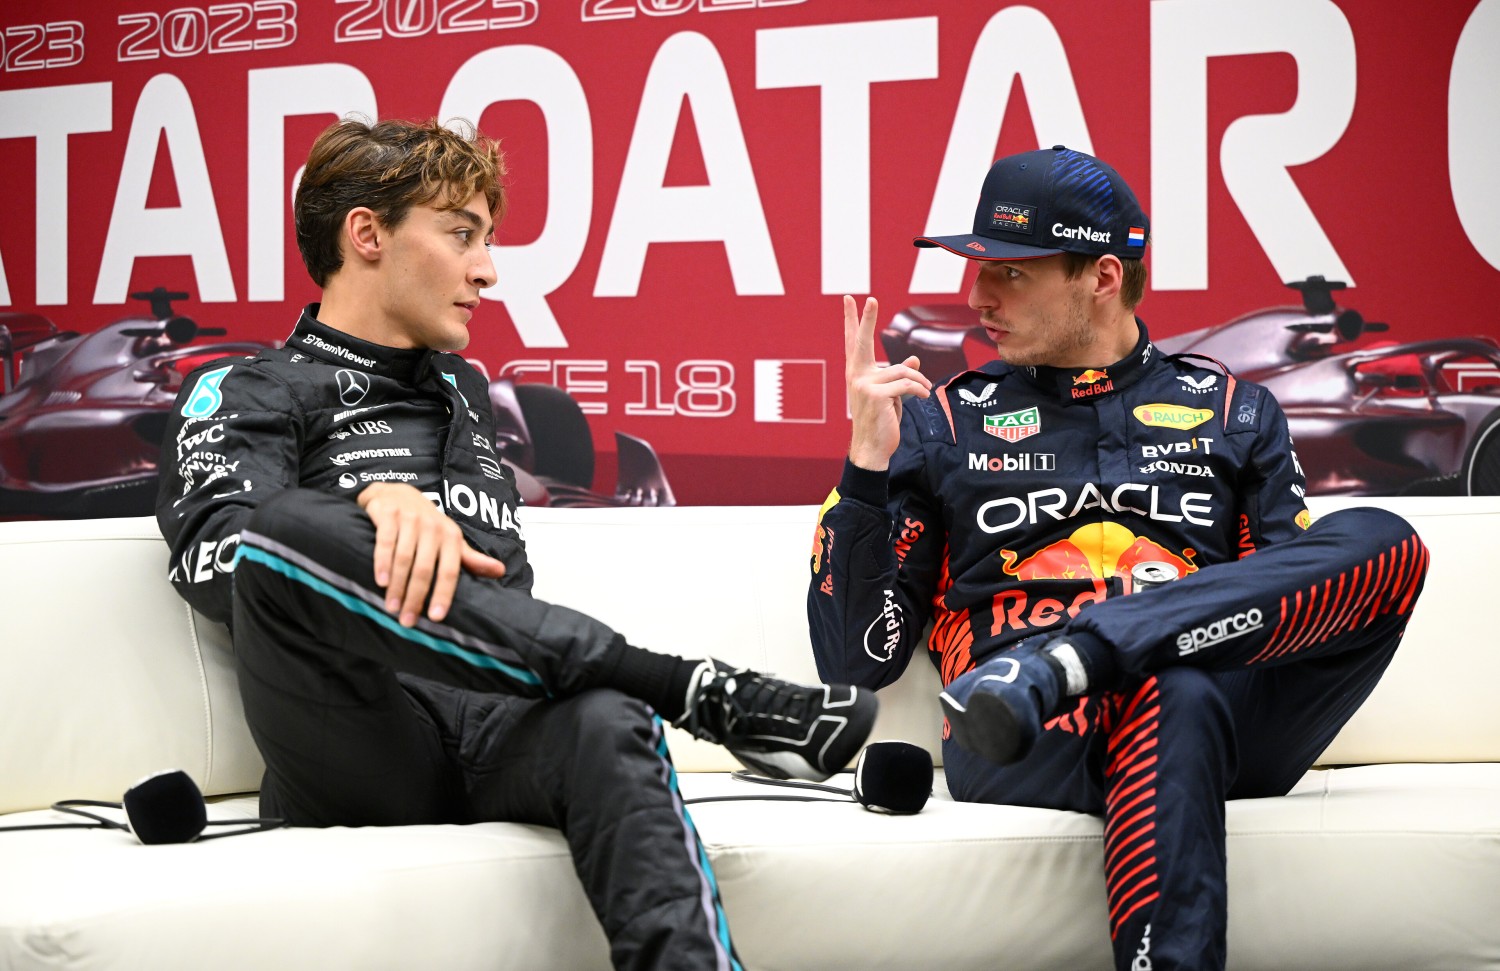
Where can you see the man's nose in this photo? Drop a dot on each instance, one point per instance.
(482, 271)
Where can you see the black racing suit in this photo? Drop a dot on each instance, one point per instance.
(1017, 505)
(493, 714)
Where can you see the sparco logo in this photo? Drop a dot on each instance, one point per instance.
(313, 340)
(1224, 629)
(1142, 959)
(1025, 462)
(884, 632)
(344, 458)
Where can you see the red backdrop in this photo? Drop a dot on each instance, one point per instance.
(695, 183)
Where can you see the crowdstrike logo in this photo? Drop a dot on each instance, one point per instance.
(344, 458)
(313, 340)
(1221, 630)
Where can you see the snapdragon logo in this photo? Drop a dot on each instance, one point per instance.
(1221, 630)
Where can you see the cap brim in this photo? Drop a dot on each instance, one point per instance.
(972, 247)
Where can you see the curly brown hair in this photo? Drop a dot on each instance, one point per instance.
(389, 167)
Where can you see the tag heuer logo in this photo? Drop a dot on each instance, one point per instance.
(1014, 425)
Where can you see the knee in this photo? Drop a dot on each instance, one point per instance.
(1369, 527)
(607, 726)
(1183, 698)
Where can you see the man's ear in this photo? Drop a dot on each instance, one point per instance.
(362, 234)
(1109, 276)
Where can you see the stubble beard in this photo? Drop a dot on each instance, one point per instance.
(1066, 336)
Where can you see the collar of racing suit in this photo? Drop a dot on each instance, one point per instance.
(317, 340)
(1074, 385)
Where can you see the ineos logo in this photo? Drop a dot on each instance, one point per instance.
(352, 386)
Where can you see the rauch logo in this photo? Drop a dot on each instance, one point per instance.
(1172, 416)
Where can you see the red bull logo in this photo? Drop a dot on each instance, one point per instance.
(1090, 382)
(1094, 552)
(975, 246)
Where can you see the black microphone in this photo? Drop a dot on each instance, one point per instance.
(166, 807)
(893, 777)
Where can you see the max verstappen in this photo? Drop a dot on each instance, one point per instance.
(338, 502)
(1023, 508)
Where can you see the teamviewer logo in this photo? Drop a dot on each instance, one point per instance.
(791, 391)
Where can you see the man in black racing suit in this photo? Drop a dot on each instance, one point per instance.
(339, 502)
(1017, 505)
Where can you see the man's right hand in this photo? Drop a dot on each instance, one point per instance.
(418, 550)
(875, 392)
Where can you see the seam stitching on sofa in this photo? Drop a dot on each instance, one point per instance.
(208, 715)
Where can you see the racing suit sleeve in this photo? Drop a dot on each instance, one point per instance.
(233, 440)
(1273, 505)
(876, 561)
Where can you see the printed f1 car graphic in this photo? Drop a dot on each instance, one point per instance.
(82, 417)
(1370, 417)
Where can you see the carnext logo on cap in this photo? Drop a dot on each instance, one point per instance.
(1012, 217)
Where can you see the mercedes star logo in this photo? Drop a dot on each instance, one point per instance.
(352, 386)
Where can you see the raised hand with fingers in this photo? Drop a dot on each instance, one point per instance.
(418, 550)
(875, 392)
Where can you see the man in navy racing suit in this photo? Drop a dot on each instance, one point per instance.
(1024, 508)
(339, 502)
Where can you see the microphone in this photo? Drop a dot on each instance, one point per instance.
(166, 807)
(890, 777)
(893, 777)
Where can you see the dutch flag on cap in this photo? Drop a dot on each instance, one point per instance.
(1137, 236)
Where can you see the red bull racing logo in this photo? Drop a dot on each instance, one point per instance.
(1089, 382)
(1096, 551)
(1014, 425)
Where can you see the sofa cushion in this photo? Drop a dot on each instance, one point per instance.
(1381, 867)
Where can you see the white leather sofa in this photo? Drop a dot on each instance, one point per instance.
(1385, 857)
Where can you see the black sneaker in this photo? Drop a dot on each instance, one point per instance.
(777, 728)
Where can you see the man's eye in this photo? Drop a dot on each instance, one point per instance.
(463, 234)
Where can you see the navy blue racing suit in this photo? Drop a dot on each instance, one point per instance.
(495, 713)
(1018, 505)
